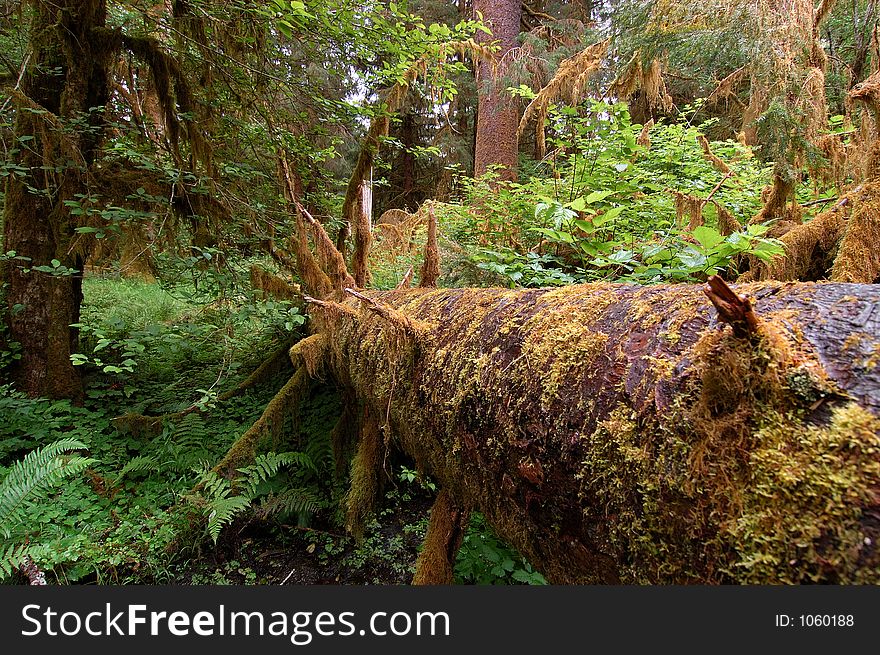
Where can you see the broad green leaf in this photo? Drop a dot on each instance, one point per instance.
(707, 237)
(596, 196)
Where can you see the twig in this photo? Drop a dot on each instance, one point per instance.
(407, 279)
(724, 179)
(536, 14)
(330, 306)
(820, 201)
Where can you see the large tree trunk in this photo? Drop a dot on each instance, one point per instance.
(497, 115)
(66, 79)
(621, 434)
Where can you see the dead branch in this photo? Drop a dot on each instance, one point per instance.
(732, 308)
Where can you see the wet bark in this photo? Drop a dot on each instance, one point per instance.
(620, 434)
(66, 80)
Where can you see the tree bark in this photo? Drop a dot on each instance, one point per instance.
(497, 115)
(65, 80)
(622, 434)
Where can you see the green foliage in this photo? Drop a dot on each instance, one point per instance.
(222, 504)
(603, 207)
(484, 559)
(123, 521)
(28, 482)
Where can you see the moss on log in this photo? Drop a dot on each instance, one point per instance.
(621, 434)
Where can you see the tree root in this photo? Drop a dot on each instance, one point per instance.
(285, 403)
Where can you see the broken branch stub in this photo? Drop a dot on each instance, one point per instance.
(732, 308)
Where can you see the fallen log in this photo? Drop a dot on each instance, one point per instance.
(624, 434)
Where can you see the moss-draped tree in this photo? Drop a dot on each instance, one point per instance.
(65, 84)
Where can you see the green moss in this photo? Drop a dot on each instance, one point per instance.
(366, 475)
(503, 403)
(803, 517)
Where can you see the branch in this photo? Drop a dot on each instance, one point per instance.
(407, 279)
(393, 316)
(718, 186)
(732, 308)
(540, 15)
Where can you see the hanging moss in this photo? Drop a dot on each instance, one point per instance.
(366, 475)
(858, 259)
(446, 529)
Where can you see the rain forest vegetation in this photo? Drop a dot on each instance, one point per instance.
(473, 291)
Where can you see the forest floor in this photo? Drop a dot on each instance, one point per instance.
(293, 555)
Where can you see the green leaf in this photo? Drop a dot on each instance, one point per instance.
(692, 259)
(578, 204)
(586, 226)
(596, 196)
(622, 256)
(707, 237)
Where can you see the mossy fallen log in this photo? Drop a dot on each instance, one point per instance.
(622, 434)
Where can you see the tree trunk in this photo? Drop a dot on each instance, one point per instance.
(497, 115)
(621, 434)
(66, 79)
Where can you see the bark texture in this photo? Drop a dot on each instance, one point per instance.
(621, 434)
(65, 80)
(497, 115)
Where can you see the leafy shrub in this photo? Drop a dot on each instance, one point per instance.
(484, 559)
(602, 207)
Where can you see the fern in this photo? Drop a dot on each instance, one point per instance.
(222, 507)
(39, 471)
(28, 480)
(137, 464)
(191, 433)
(11, 558)
(319, 448)
(223, 511)
(182, 445)
(267, 466)
(291, 501)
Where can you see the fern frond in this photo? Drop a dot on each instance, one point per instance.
(267, 466)
(137, 464)
(223, 511)
(11, 558)
(291, 501)
(319, 448)
(191, 433)
(214, 486)
(35, 474)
